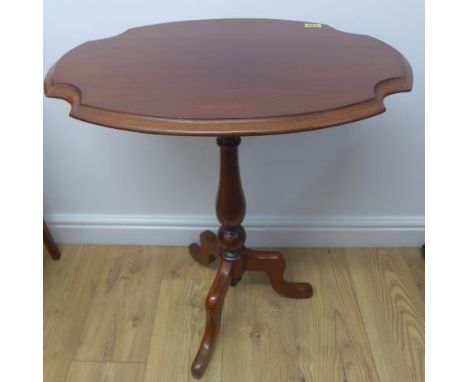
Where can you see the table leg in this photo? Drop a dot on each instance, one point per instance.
(213, 306)
(234, 257)
(273, 264)
(49, 242)
(207, 251)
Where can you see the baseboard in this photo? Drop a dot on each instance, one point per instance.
(267, 231)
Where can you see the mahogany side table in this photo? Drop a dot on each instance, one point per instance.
(229, 78)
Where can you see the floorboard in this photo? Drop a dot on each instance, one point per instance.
(118, 314)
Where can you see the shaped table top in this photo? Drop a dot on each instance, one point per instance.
(228, 77)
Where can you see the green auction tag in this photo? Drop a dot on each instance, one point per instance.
(312, 25)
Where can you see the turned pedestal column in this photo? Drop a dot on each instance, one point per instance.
(235, 258)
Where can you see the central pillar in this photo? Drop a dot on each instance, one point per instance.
(230, 201)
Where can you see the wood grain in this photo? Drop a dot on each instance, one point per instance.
(392, 310)
(258, 338)
(365, 322)
(58, 277)
(416, 264)
(178, 267)
(177, 331)
(69, 288)
(228, 77)
(120, 319)
(106, 372)
(332, 344)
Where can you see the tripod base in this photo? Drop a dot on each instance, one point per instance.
(229, 274)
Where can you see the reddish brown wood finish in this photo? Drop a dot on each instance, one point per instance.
(49, 242)
(230, 202)
(213, 305)
(235, 258)
(229, 77)
(207, 251)
(273, 264)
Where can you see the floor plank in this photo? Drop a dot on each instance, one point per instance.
(120, 318)
(179, 265)
(69, 287)
(116, 314)
(258, 337)
(331, 338)
(392, 310)
(177, 332)
(416, 264)
(105, 372)
(58, 277)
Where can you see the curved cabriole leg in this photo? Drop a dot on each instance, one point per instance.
(273, 264)
(207, 251)
(213, 306)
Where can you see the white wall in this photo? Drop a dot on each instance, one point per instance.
(360, 184)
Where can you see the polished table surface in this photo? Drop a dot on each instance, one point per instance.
(229, 77)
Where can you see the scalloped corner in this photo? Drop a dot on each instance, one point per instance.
(394, 85)
(67, 92)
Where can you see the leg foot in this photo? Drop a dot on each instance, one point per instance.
(273, 264)
(207, 251)
(235, 281)
(213, 306)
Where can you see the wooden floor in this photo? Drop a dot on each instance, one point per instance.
(131, 314)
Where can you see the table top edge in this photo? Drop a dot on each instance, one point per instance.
(229, 127)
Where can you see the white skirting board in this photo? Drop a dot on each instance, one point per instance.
(262, 231)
